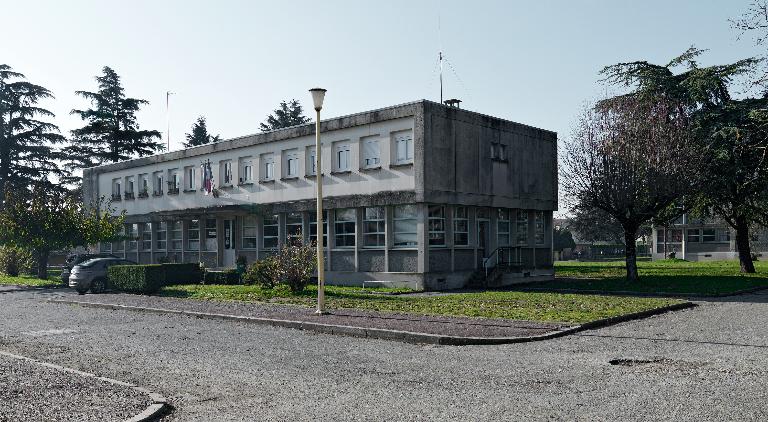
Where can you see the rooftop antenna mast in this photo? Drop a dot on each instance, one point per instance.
(168, 120)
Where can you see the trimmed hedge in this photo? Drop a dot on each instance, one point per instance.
(182, 273)
(222, 277)
(146, 279)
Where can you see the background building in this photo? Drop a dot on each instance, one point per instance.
(699, 239)
(419, 193)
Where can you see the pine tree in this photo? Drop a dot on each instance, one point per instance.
(200, 135)
(288, 114)
(27, 154)
(111, 133)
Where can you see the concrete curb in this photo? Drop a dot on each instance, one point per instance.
(384, 334)
(640, 294)
(159, 403)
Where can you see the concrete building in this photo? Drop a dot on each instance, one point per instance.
(698, 239)
(418, 193)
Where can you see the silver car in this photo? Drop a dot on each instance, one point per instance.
(92, 274)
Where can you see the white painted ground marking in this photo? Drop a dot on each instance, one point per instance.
(51, 332)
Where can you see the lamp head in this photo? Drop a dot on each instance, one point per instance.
(318, 94)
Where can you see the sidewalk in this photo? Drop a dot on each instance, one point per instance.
(400, 327)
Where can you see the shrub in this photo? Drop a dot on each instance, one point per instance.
(182, 273)
(294, 265)
(241, 260)
(15, 260)
(262, 273)
(145, 279)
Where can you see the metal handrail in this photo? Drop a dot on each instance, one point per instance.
(496, 254)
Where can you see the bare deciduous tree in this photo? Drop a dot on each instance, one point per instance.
(630, 158)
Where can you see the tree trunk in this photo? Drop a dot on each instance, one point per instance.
(42, 264)
(742, 245)
(631, 254)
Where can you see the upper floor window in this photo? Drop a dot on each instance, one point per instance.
(498, 151)
(341, 156)
(403, 148)
(143, 185)
(311, 163)
(246, 170)
(371, 155)
(227, 176)
(291, 163)
(116, 189)
(267, 167)
(129, 185)
(190, 174)
(158, 183)
(174, 181)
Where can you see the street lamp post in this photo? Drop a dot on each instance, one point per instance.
(318, 95)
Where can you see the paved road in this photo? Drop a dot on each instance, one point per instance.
(709, 363)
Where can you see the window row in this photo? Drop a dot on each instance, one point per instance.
(711, 235)
(512, 229)
(191, 178)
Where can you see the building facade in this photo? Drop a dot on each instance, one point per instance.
(417, 194)
(703, 239)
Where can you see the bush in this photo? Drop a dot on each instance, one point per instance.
(262, 273)
(145, 279)
(294, 265)
(182, 273)
(229, 276)
(16, 260)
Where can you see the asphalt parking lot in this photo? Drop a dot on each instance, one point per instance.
(706, 363)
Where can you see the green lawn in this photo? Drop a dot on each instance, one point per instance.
(549, 307)
(668, 276)
(30, 280)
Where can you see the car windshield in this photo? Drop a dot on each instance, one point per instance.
(90, 262)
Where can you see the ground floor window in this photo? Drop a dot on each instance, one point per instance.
(313, 227)
(176, 231)
(694, 236)
(293, 223)
(374, 235)
(119, 246)
(211, 235)
(132, 230)
(521, 227)
(270, 231)
(161, 231)
(344, 224)
(503, 226)
(460, 227)
(539, 227)
(404, 225)
(146, 237)
(193, 235)
(250, 237)
(436, 222)
(105, 247)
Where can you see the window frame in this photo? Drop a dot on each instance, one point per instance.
(400, 219)
(267, 172)
(458, 219)
(193, 228)
(292, 221)
(500, 223)
(291, 159)
(380, 223)
(521, 221)
(174, 232)
(227, 174)
(313, 227)
(407, 140)
(436, 225)
(342, 236)
(251, 239)
(342, 148)
(274, 221)
(369, 159)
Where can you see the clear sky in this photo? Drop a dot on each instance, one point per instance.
(534, 62)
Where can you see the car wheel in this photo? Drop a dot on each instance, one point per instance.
(98, 285)
(81, 291)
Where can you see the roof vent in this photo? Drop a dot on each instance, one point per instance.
(453, 102)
